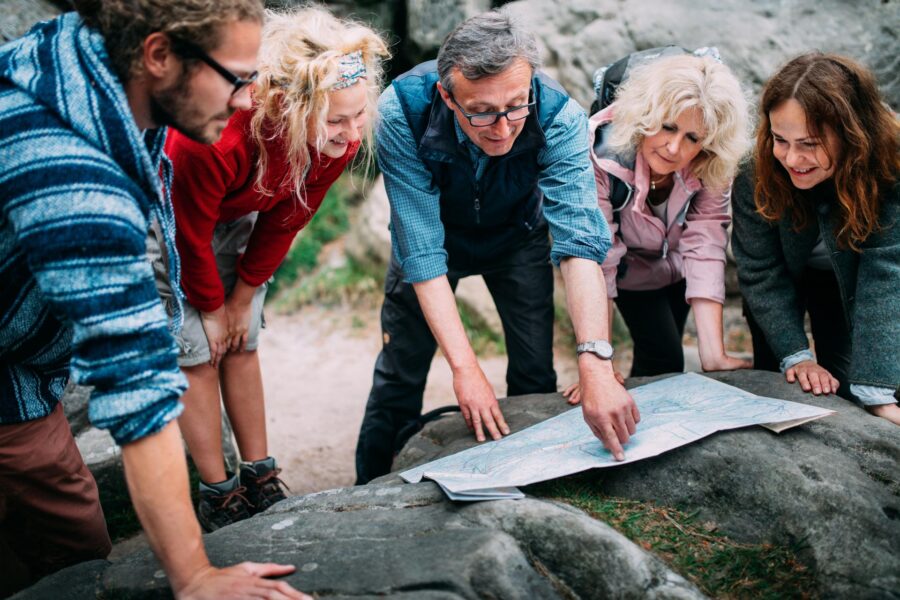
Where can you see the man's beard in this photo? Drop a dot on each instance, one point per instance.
(173, 107)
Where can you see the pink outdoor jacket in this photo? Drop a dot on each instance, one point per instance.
(696, 235)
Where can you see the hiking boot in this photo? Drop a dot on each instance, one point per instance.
(218, 509)
(264, 488)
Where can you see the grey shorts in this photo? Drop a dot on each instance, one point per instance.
(228, 243)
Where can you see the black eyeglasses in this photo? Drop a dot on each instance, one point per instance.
(486, 119)
(191, 50)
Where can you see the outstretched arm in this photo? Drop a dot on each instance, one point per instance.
(708, 316)
(609, 409)
(158, 483)
(473, 391)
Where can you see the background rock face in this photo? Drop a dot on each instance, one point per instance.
(408, 541)
(580, 35)
(429, 22)
(754, 38)
(833, 482)
(18, 16)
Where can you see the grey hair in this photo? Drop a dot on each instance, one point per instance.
(485, 45)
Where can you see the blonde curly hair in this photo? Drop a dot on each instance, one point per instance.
(656, 93)
(298, 67)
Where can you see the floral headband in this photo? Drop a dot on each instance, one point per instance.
(351, 69)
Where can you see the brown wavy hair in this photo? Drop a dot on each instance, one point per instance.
(125, 24)
(839, 94)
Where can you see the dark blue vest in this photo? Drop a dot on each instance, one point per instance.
(482, 219)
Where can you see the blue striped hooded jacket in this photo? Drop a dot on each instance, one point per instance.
(79, 186)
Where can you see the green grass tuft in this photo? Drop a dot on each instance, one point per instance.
(353, 284)
(330, 222)
(720, 567)
(484, 340)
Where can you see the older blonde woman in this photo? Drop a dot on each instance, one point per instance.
(239, 204)
(673, 137)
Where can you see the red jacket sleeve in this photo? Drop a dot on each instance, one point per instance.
(201, 177)
(275, 229)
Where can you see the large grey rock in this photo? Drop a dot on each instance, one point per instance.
(383, 15)
(754, 37)
(408, 541)
(369, 239)
(75, 405)
(833, 483)
(18, 16)
(81, 581)
(429, 22)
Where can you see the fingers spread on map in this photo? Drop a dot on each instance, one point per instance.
(487, 417)
(479, 404)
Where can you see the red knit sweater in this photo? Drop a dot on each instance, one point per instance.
(217, 183)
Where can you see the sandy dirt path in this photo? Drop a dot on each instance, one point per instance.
(317, 371)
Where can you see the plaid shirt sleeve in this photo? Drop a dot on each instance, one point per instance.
(417, 233)
(570, 193)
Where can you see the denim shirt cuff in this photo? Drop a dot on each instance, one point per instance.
(872, 395)
(797, 357)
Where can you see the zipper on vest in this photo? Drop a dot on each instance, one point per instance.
(477, 204)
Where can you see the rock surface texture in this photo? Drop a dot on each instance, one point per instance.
(834, 483)
(408, 541)
(18, 16)
(429, 22)
(754, 38)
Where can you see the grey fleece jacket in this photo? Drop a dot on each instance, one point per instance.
(772, 256)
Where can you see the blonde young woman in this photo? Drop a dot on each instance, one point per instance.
(239, 204)
(674, 137)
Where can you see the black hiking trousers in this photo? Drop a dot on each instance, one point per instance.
(655, 320)
(521, 285)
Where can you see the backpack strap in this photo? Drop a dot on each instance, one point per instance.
(416, 425)
(619, 195)
(619, 191)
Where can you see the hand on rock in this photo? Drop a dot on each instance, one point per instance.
(812, 377)
(244, 580)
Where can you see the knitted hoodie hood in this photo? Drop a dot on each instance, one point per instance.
(63, 65)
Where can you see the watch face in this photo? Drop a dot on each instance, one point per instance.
(602, 349)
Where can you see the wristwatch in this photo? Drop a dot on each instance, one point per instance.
(599, 348)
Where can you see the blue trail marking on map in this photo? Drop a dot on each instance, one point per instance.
(674, 412)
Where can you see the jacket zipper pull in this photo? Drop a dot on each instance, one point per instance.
(665, 247)
(477, 211)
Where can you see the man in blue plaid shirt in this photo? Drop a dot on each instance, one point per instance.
(484, 159)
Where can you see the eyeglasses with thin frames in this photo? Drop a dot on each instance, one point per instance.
(188, 49)
(486, 119)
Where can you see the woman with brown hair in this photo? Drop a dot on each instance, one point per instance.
(820, 233)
